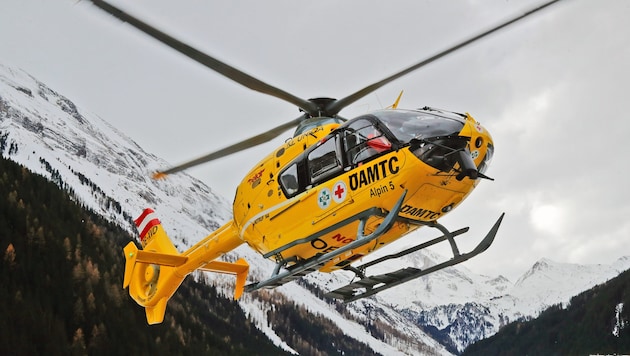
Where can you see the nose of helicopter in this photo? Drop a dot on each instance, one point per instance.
(480, 146)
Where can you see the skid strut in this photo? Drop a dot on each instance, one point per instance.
(369, 285)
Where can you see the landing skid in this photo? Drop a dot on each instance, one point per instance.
(289, 269)
(370, 285)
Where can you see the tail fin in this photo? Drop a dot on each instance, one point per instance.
(152, 234)
(154, 273)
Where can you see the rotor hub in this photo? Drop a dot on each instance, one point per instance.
(322, 105)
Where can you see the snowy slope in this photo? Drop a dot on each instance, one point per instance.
(459, 307)
(50, 133)
(110, 174)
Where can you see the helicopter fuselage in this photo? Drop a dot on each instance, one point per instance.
(323, 177)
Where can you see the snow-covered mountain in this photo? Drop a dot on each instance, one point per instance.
(110, 174)
(458, 307)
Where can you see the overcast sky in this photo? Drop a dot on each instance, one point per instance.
(553, 90)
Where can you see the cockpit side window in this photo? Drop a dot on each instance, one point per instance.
(364, 141)
(325, 160)
(289, 180)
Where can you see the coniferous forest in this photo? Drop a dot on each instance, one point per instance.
(61, 278)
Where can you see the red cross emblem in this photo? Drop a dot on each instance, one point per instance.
(339, 192)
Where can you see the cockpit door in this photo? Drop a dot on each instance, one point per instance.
(363, 141)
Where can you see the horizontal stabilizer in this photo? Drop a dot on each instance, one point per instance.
(162, 259)
(240, 268)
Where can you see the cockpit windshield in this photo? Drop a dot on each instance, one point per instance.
(409, 124)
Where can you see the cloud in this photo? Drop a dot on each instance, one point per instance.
(548, 218)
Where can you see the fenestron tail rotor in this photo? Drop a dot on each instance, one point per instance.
(312, 108)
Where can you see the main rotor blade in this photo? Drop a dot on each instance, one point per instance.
(245, 144)
(336, 106)
(208, 61)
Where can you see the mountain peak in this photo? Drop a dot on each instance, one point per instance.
(544, 264)
(105, 169)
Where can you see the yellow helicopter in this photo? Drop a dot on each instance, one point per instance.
(332, 194)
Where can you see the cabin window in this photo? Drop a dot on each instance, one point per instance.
(289, 180)
(363, 142)
(325, 160)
